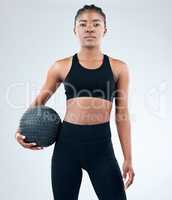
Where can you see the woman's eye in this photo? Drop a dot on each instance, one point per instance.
(82, 25)
(96, 24)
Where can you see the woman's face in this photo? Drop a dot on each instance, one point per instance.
(90, 29)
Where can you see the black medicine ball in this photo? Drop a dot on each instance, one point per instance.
(40, 124)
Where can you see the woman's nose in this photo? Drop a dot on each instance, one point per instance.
(90, 28)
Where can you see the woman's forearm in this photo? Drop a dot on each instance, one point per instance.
(41, 99)
(36, 102)
(124, 133)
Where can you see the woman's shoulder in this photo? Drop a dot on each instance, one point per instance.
(117, 62)
(62, 65)
(63, 61)
(118, 65)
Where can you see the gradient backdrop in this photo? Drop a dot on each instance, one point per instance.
(33, 34)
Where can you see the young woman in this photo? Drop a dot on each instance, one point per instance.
(91, 80)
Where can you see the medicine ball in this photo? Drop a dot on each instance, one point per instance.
(40, 124)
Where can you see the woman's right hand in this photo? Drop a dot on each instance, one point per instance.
(21, 140)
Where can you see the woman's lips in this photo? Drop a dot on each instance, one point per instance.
(90, 37)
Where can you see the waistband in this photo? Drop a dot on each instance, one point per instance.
(107, 123)
(85, 132)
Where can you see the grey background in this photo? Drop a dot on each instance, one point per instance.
(33, 34)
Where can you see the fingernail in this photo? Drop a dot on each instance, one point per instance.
(23, 137)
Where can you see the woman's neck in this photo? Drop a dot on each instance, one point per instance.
(89, 53)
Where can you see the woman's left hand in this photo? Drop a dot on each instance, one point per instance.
(128, 170)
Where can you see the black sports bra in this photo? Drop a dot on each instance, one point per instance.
(83, 82)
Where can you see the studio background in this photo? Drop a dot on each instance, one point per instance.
(33, 34)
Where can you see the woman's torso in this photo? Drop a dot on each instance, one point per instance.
(88, 109)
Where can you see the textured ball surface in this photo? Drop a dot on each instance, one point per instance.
(40, 124)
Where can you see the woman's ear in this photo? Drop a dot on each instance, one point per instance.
(74, 30)
(105, 31)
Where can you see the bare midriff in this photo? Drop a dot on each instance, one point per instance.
(87, 110)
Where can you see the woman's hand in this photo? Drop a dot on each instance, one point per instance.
(21, 140)
(128, 170)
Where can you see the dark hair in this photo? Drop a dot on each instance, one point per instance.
(90, 7)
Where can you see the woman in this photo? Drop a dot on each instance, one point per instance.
(91, 80)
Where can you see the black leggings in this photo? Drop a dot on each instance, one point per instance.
(87, 147)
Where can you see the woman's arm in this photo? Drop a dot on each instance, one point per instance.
(122, 113)
(51, 83)
(122, 120)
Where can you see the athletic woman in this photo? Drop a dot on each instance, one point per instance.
(91, 81)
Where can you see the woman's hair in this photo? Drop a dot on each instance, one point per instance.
(90, 7)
